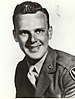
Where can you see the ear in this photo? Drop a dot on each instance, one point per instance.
(50, 31)
(15, 35)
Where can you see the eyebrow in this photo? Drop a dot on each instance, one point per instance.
(39, 29)
(27, 31)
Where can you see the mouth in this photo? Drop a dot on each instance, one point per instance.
(34, 48)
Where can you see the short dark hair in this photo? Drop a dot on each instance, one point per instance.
(29, 7)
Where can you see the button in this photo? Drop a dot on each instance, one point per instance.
(50, 66)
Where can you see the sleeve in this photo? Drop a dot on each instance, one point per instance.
(68, 85)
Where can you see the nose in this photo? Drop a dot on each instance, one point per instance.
(33, 37)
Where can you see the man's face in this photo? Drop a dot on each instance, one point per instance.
(32, 33)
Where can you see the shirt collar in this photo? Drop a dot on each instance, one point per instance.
(39, 64)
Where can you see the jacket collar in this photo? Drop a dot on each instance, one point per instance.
(49, 65)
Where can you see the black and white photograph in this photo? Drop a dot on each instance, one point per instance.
(37, 49)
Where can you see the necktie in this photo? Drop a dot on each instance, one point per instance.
(32, 76)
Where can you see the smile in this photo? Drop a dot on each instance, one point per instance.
(34, 48)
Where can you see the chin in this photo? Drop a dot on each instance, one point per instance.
(35, 57)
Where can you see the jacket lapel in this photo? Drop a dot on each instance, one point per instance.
(48, 67)
(42, 85)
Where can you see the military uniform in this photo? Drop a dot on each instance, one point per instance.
(56, 79)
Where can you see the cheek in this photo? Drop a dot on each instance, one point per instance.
(22, 40)
(44, 38)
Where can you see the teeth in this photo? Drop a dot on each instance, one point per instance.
(35, 48)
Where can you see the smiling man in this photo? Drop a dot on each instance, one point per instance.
(44, 72)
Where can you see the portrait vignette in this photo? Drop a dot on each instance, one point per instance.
(61, 18)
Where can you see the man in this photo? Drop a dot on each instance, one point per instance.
(44, 72)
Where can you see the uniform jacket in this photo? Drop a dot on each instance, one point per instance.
(55, 79)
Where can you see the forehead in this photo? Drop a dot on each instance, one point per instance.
(31, 20)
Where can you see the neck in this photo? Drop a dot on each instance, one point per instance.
(32, 61)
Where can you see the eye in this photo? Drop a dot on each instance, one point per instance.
(23, 32)
(39, 31)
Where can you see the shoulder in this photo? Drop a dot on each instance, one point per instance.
(65, 59)
(21, 70)
(21, 67)
(20, 64)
